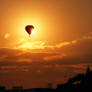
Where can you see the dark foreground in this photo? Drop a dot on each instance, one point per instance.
(79, 83)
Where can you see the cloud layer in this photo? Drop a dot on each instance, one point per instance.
(53, 63)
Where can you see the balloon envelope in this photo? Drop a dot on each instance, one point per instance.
(29, 29)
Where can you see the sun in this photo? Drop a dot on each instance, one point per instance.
(33, 31)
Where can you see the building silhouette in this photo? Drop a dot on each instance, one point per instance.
(79, 83)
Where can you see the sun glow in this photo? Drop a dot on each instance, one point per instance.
(23, 39)
(33, 31)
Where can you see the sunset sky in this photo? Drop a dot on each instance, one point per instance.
(59, 48)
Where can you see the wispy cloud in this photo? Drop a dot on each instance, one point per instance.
(62, 44)
(54, 57)
(41, 45)
(31, 45)
(8, 68)
(26, 44)
(74, 51)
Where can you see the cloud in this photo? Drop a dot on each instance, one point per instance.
(7, 35)
(62, 44)
(32, 45)
(75, 51)
(11, 55)
(13, 65)
(41, 45)
(26, 44)
(54, 57)
(8, 68)
(24, 60)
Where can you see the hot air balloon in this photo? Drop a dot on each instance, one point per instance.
(29, 29)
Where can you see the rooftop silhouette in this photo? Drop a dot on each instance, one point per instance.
(79, 83)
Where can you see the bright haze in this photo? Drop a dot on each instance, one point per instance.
(59, 47)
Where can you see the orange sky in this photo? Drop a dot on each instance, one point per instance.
(55, 21)
(62, 40)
